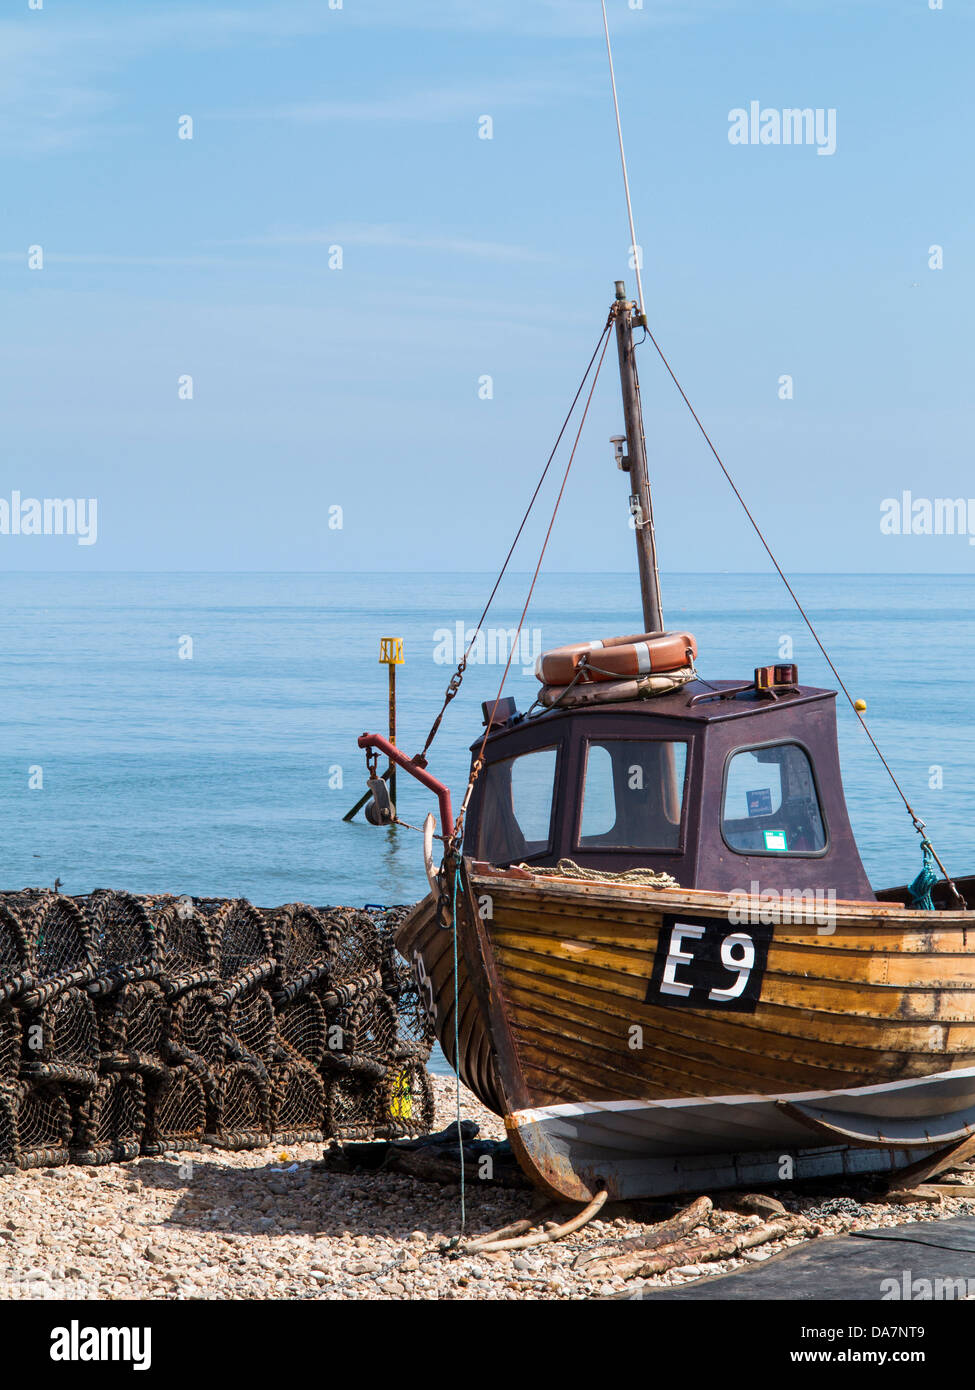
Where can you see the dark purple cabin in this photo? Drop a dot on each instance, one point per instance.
(717, 784)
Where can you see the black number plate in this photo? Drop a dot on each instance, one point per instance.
(702, 963)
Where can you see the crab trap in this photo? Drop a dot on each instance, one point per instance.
(157, 1023)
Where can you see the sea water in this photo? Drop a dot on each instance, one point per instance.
(196, 733)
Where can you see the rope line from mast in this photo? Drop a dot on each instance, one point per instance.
(479, 760)
(455, 680)
(919, 825)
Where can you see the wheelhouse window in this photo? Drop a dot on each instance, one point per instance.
(771, 804)
(633, 795)
(516, 807)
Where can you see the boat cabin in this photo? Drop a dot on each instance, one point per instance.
(721, 785)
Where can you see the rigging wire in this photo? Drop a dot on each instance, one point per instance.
(478, 761)
(455, 680)
(919, 825)
(634, 247)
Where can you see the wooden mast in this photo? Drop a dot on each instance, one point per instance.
(635, 463)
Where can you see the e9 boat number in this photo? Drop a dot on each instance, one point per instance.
(706, 964)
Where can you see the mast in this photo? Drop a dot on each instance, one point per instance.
(634, 462)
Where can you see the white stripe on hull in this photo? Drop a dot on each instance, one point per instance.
(595, 1108)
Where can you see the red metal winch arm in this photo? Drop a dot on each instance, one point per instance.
(389, 750)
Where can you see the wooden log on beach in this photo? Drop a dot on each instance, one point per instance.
(662, 1234)
(691, 1251)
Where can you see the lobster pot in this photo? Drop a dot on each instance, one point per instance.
(60, 945)
(249, 1022)
(194, 1034)
(357, 963)
(132, 1024)
(414, 1028)
(127, 944)
(245, 948)
(305, 943)
(35, 1126)
(110, 1120)
(189, 952)
(361, 1037)
(14, 950)
(238, 1105)
(300, 1030)
(352, 1107)
(60, 1039)
(391, 963)
(297, 1103)
(10, 1042)
(406, 1100)
(176, 1112)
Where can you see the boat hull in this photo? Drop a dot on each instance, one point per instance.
(646, 1149)
(619, 1059)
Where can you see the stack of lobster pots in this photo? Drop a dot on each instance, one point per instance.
(243, 1031)
(342, 1054)
(192, 1044)
(56, 1102)
(378, 1037)
(154, 1024)
(130, 1012)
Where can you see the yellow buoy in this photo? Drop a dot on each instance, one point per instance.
(860, 706)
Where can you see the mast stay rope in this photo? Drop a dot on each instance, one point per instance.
(919, 825)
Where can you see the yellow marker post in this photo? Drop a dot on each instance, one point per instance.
(391, 656)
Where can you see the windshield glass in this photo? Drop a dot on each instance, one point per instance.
(516, 807)
(633, 796)
(770, 803)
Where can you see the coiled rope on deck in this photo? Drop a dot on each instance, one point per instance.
(568, 868)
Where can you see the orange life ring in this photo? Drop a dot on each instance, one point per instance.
(617, 658)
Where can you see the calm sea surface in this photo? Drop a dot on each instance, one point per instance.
(228, 773)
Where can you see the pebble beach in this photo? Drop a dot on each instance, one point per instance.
(269, 1224)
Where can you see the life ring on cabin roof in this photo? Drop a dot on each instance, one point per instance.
(617, 658)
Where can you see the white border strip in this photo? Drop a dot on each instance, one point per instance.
(554, 1112)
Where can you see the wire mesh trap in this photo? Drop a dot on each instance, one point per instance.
(189, 951)
(361, 1037)
(358, 950)
(406, 1101)
(127, 944)
(59, 944)
(132, 1024)
(297, 1103)
(305, 945)
(161, 1022)
(10, 1042)
(300, 1030)
(60, 1039)
(245, 949)
(238, 1115)
(176, 1112)
(110, 1120)
(352, 1108)
(196, 1031)
(415, 1034)
(14, 949)
(35, 1126)
(250, 1028)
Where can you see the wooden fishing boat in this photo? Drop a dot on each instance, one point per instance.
(749, 1009)
(652, 945)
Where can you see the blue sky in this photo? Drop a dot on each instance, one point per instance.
(463, 257)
